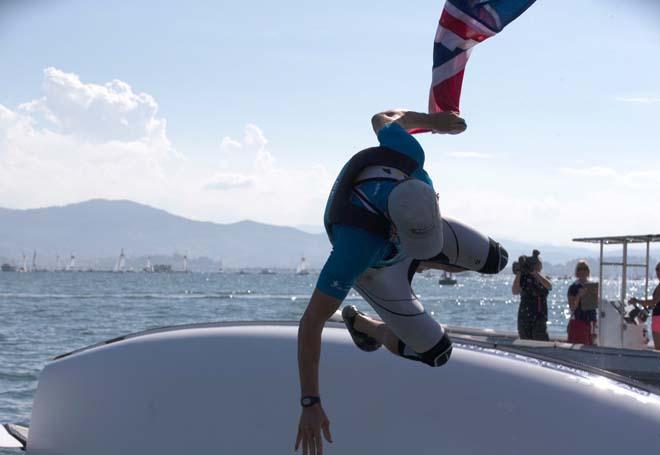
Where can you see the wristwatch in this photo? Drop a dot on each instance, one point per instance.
(306, 402)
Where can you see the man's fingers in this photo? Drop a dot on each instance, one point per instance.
(326, 431)
(319, 444)
(312, 445)
(309, 438)
(305, 444)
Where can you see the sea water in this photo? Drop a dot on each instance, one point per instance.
(46, 314)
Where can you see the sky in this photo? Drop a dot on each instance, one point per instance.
(224, 111)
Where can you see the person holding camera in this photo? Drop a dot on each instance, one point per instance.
(581, 326)
(533, 289)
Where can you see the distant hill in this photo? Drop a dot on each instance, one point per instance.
(100, 228)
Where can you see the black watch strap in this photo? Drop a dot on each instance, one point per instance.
(308, 401)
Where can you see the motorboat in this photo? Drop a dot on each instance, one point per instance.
(640, 364)
(447, 279)
(622, 340)
(229, 388)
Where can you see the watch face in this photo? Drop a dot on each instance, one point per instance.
(309, 401)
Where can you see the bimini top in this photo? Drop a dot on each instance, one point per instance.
(621, 239)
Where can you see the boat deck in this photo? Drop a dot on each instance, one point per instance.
(642, 365)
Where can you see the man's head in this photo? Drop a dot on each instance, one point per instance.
(582, 270)
(413, 208)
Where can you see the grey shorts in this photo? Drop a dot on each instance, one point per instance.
(389, 293)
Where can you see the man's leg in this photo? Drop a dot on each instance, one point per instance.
(525, 325)
(656, 339)
(407, 329)
(540, 330)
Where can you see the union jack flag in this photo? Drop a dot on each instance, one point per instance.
(463, 25)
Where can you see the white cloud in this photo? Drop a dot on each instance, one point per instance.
(229, 144)
(266, 189)
(647, 178)
(83, 140)
(223, 182)
(595, 171)
(112, 111)
(639, 99)
(477, 155)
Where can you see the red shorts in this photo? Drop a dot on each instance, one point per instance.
(579, 332)
(655, 324)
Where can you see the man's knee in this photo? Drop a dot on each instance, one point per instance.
(437, 356)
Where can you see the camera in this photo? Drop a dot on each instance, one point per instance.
(526, 264)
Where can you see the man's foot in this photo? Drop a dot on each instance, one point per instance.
(361, 340)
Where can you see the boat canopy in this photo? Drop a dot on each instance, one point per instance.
(624, 241)
(621, 239)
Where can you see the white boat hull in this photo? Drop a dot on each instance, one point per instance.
(233, 389)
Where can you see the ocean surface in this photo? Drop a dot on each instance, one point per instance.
(46, 314)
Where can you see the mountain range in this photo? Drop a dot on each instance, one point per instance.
(101, 228)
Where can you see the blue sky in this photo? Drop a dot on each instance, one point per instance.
(258, 104)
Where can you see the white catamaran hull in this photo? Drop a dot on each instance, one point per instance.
(233, 388)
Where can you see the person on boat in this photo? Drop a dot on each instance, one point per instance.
(653, 303)
(581, 326)
(533, 289)
(384, 224)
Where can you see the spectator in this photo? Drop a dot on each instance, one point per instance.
(533, 289)
(581, 326)
(654, 303)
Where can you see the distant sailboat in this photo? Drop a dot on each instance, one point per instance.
(72, 263)
(24, 267)
(302, 267)
(149, 268)
(447, 279)
(34, 262)
(185, 263)
(120, 265)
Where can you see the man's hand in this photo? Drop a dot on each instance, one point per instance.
(312, 421)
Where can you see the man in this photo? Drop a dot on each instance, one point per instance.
(582, 323)
(384, 223)
(533, 289)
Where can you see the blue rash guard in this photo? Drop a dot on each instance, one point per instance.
(354, 250)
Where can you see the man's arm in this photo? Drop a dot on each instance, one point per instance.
(313, 420)
(574, 298)
(515, 289)
(440, 122)
(321, 307)
(544, 281)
